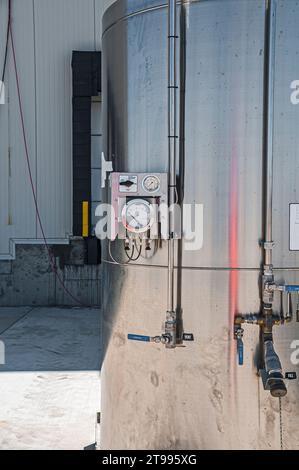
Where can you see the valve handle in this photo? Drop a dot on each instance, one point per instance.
(240, 348)
(145, 339)
(289, 288)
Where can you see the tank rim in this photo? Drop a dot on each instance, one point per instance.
(122, 9)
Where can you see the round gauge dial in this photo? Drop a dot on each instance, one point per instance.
(138, 216)
(151, 184)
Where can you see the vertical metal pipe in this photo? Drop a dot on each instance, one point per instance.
(272, 363)
(269, 124)
(172, 105)
(172, 157)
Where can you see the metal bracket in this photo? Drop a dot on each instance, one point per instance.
(107, 167)
(268, 245)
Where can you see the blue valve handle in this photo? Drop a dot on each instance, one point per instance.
(240, 347)
(145, 339)
(291, 288)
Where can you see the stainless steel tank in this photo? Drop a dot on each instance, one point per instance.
(197, 396)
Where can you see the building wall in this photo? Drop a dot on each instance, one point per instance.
(29, 279)
(45, 33)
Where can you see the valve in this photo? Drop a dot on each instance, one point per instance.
(289, 290)
(165, 339)
(239, 333)
(271, 372)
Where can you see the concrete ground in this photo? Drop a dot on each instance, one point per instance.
(50, 382)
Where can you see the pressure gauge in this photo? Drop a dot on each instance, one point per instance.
(151, 184)
(138, 216)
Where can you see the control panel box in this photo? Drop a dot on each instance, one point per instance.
(140, 205)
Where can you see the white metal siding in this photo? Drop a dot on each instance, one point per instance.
(19, 215)
(4, 248)
(46, 32)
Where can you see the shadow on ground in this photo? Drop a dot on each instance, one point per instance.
(50, 339)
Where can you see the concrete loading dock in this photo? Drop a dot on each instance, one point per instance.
(50, 387)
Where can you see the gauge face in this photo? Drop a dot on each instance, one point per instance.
(151, 184)
(137, 216)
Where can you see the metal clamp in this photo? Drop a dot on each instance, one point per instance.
(268, 245)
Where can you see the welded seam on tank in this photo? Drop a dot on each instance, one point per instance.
(184, 268)
(146, 10)
(194, 268)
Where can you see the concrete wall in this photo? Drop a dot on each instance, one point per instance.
(46, 32)
(29, 280)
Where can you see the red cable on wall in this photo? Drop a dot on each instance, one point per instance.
(7, 41)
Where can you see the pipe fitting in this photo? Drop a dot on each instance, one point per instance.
(274, 378)
(170, 330)
(257, 319)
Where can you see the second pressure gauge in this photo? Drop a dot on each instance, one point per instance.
(151, 184)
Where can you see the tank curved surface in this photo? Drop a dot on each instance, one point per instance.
(196, 397)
